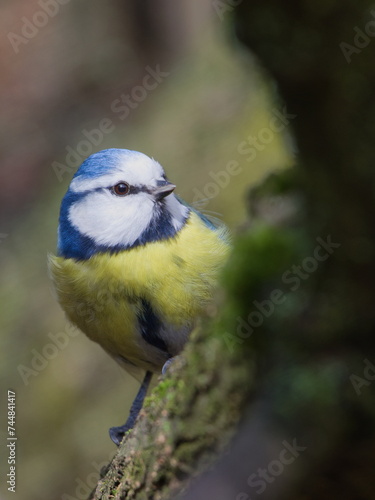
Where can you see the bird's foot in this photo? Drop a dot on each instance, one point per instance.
(167, 364)
(117, 433)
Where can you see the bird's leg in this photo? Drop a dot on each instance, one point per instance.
(117, 433)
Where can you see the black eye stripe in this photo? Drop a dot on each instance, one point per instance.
(136, 189)
(132, 189)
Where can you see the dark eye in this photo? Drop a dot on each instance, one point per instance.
(121, 189)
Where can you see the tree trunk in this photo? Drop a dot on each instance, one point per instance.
(292, 355)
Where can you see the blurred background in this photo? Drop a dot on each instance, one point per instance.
(163, 77)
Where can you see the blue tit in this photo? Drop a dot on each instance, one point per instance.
(135, 266)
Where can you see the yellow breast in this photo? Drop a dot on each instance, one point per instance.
(176, 277)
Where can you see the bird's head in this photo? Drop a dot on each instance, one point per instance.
(118, 199)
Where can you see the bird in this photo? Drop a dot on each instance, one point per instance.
(135, 266)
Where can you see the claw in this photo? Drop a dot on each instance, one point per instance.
(167, 364)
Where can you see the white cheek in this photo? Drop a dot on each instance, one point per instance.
(111, 220)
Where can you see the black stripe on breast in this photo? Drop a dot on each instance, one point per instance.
(151, 327)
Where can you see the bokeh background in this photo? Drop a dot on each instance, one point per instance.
(65, 67)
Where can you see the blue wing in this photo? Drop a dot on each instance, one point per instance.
(207, 222)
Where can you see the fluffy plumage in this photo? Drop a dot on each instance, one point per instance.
(133, 271)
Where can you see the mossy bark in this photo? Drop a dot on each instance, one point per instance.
(185, 423)
(302, 376)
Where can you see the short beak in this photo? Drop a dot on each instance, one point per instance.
(163, 189)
